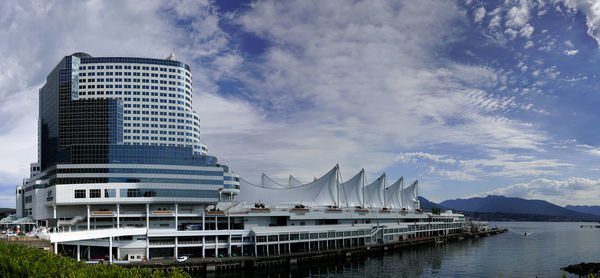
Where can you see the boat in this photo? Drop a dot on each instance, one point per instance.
(526, 234)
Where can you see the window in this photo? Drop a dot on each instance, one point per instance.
(110, 193)
(79, 193)
(95, 193)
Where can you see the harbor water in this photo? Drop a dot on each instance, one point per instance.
(547, 247)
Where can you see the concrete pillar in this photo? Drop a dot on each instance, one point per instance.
(89, 250)
(88, 217)
(203, 222)
(242, 247)
(216, 223)
(216, 246)
(203, 244)
(78, 252)
(267, 248)
(176, 247)
(147, 247)
(289, 244)
(54, 211)
(118, 216)
(278, 246)
(119, 252)
(110, 256)
(255, 248)
(56, 248)
(176, 220)
(229, 247)
(147, 216)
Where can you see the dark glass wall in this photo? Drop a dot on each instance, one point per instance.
(66, 121)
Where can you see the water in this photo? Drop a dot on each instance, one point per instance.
(549, 247)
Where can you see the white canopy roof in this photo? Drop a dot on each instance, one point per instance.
(393, 194)
(293, 182)
(268, 182)
(375, 193)
(321, 192)
(353, 190)
(410, 196)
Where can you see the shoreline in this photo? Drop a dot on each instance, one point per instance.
(235, 264)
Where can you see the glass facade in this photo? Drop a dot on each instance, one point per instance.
(167, 193)
(98, 126)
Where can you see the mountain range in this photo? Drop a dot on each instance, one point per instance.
(595, 210)
(493, 207)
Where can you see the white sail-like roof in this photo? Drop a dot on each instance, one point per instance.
(393, 194)
(294, 182)
(268, 182)
(375, 193)
(352, 190)
(410, 196)
(321, 192)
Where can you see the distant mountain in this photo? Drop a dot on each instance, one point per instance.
(595, 210)
(427, 205)
(509, 206)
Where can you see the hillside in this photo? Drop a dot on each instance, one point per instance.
(509, 206)
(427, 205)
(595, 210)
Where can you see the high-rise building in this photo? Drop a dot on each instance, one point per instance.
(119, 131)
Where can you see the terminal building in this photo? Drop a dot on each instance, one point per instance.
(122, 173)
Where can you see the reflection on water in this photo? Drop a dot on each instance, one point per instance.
(549, 247)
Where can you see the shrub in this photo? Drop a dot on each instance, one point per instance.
(18, 260)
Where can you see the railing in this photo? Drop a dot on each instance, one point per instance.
(161, 243)
(71, 222)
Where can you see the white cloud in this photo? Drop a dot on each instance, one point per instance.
(413, 156)
(571, 191)
(528, 44)
(495, 22)
(479, 14)
(518, 16)
(569, 44)
(552, 72)
(591, 9)
(526, 31)
(571, 52)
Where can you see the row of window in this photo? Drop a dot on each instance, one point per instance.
(163, 144)
(156, 138)
(140, 171)
(95, 193)
(153, 63)
(145, 93)
(133, 80)
(100, 67)
(127, 86)
(147, 193)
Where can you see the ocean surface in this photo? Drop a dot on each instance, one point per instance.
(549, 247)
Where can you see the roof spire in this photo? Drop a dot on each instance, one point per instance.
(172, 56)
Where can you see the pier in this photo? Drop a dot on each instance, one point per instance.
(233, 264)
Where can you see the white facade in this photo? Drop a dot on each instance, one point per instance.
(157, 101)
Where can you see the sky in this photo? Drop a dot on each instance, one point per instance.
(469, 97)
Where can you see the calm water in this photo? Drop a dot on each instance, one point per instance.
(549, 247)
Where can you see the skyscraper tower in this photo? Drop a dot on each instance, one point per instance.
(119, 131)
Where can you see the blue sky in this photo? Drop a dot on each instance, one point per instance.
(470, 97)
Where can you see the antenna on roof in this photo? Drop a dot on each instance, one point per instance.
(172, 56)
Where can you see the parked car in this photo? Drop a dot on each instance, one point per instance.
(182, 259)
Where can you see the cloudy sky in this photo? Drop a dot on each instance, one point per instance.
(469, 97)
